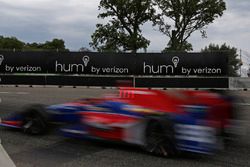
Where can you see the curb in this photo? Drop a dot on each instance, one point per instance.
(5, 160)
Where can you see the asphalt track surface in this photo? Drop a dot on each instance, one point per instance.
(53, 150)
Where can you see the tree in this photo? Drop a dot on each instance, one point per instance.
(33, 46)
(178, 19)
(54, 45)
(234, 63)
(123, 30)
(10, 43)
(84, 49)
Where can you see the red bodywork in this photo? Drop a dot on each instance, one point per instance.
(169, 101)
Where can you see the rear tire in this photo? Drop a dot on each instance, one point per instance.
(35, 120)
(159, 138)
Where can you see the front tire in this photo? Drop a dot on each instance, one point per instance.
(35, 120)
(159, 138)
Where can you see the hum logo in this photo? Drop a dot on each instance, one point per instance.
(161, 69)
(59, 67)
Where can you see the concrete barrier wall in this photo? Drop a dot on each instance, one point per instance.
(114, 81)
(137, 81)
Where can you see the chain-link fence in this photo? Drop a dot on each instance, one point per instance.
(245, 68)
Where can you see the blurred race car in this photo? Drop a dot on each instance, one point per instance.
(162, 122)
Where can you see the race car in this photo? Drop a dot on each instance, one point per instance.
(161, 122)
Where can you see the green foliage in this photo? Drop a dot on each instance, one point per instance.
(178, 19)
(10, 43)
(234, 63)
(123, 30)
(54, 45)
(186, 46)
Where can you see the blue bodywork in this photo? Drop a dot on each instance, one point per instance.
(64, 113)
(191, 132)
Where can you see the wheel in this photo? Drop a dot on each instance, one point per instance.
(159, 138)
(35, 120)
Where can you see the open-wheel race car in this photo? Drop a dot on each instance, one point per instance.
(162, 122)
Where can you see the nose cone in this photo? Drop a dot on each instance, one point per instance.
(62, 107)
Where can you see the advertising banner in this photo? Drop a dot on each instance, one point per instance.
(149, 64)
(184, 64)
(23, 62)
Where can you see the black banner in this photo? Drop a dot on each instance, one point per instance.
(92, 63)
(181, 64)
(182, 82)
(184, 64)
(22, 80)
(148, 82)
(24, 62)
